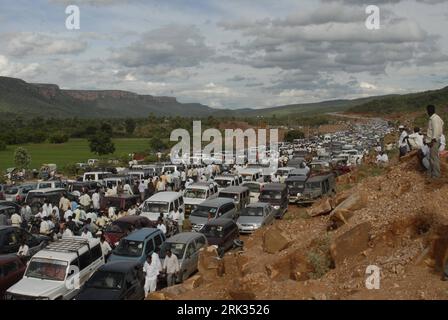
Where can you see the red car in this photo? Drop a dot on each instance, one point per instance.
(12, 269)
(121, 227)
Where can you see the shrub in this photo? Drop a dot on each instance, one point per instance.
(58, 138)
(2, 145)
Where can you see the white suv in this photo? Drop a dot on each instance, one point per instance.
(58, 271)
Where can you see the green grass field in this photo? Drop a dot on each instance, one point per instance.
(75, 150)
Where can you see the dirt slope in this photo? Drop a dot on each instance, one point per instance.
(397, 221)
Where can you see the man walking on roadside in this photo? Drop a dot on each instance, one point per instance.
(171, 267)
(151, 270)
(433, 135)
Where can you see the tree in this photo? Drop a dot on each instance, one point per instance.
(58, 138)
(106, 128)
(156, 144)
(22, 158)
(39, 137)
(130, 125)
(291, 135)
(101, 144)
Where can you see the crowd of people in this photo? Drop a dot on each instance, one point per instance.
(430, 146)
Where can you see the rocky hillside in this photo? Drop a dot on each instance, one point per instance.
(397, 221)
(48, 100)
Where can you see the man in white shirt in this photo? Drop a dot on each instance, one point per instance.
(64, 204)
(68, 213)
(26, 212)
(85, 200)
(96, 200)
(151, 271)
(434, 133)
(23, 249)
(40, 214)
(171, 267)
(86, 234)
(156, 258)
(161, 226)
(105, 246)
(47, 208)
(127, 189)
(16, 220)
(44, 227)
(416, 139)
(142, 190)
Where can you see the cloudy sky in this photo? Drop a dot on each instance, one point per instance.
(232, 53)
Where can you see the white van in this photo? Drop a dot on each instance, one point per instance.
(196, 193)
(255, 189)
(96, 176)
(59, 270)
(251, 175)
(50, 184)
(227, 180)
(162, 202)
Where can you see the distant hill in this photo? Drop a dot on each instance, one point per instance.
(403, 103)
(48, 100)
(18, 97)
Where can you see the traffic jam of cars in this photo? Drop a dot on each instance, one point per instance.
(99, 236)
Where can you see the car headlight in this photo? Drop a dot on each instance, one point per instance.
(299, 194)
(116, 243)
(257, 225)
(276, 207)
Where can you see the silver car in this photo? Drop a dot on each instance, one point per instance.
(185, 246)
(255, 216)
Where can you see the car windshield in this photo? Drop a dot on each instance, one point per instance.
(156, 207)
(247, 176)
(47, 269)
(228, 195)
(205, 212)
(223, 183)
(253, 187)
(271, 195)
(252, 212)
(295, 184)
(281, 172)
(195, 193)
(129, 248)
(13, 190)
(212, 231)
(106, 280)
(176, 248)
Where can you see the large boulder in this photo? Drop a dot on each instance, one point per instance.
(156, 296)
(193, 282)
(321, 207)
(345, 210)
(210, 265)
(350, 243)
(440, 248)
(240, 291)
(274, 241)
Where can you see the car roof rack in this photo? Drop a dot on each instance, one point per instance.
(68, 245)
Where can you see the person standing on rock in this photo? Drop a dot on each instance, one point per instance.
(433, 137)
